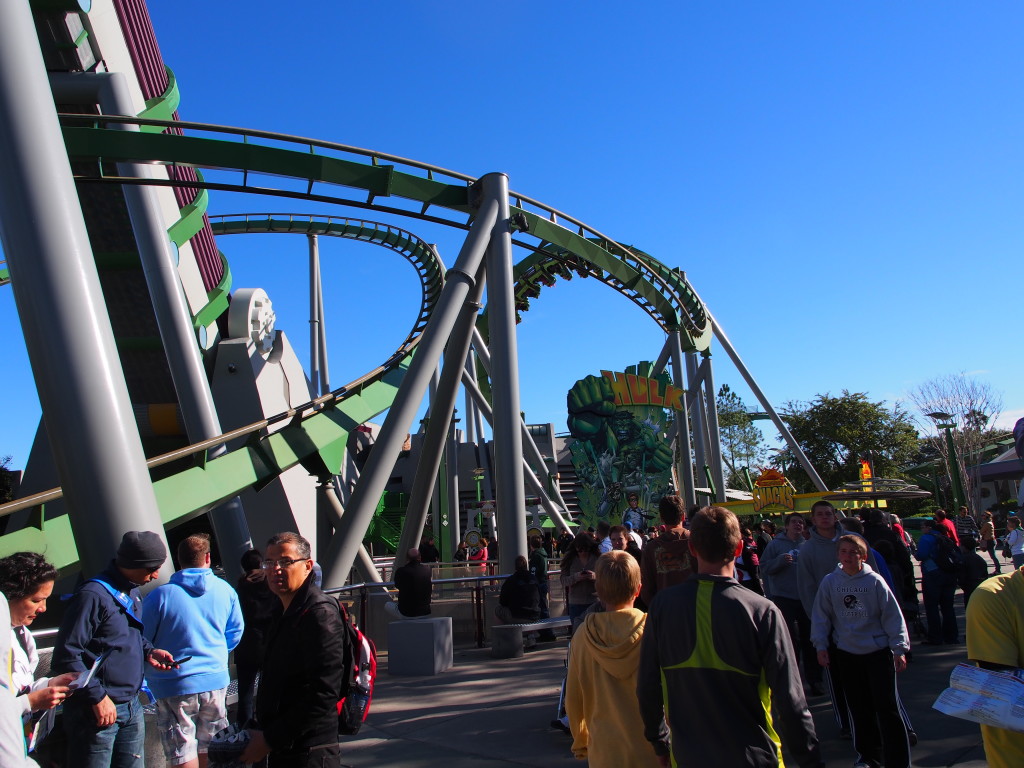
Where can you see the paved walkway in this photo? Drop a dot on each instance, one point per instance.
(488, 712)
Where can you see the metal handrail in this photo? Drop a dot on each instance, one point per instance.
(364, 588)
(477, 593)
(300, 413)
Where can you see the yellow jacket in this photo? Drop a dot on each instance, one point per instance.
(600, 691)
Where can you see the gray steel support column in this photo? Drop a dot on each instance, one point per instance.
(325, 378)
(435, 503)
(364, 566)
(537, 487)
(367, 569)
(314, 315)
(375, 475)
(174, 318)
(435, 378)
(714, 434)
(481, 440)
(508, 436)
(480, 436)
(663, 358)
(535, 482)
(442, 409)
(435, 494)
(349, 477)
(534, 458)
(325, 516)
(685, 466)
(469, 407)
(779, 424)
(81, 387)
(454, 530)
(700, 435)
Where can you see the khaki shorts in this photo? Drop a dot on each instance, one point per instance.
(188, 723)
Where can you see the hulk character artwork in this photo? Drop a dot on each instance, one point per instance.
(622, 458)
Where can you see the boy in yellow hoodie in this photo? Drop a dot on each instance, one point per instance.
(600, 691)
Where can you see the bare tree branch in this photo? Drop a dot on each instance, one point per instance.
(973, 405)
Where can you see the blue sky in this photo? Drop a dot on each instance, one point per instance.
(841, 181)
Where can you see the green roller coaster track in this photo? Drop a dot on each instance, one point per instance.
(418, 253)
(349, 176)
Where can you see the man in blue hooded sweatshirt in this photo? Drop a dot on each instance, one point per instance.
(196, 616)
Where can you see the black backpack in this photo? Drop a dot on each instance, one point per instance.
(947, 554)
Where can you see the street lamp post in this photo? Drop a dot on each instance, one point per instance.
(946, 422)
(478, 477)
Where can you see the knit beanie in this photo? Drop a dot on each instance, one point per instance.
(141, 549)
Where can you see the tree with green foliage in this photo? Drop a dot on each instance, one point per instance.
(742, 442)
(6, 480)
(836, 432)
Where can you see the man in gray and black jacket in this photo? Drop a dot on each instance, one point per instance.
(717, 666)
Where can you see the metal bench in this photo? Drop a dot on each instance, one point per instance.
(507, 639)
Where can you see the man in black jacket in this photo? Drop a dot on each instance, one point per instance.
(879, 529)
(414, 584)
(304, 669)
(519, 601)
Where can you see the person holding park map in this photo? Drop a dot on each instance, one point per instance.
(995, 640)
(104, 720)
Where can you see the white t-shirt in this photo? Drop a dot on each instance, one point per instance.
(1015, 539)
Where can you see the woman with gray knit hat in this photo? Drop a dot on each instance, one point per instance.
(103, 720)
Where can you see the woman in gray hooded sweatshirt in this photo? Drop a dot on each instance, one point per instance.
(857, 610)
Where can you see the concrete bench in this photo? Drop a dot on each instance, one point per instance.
(420, 646)
(507, 639)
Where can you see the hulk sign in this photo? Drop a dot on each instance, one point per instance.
(620, 454)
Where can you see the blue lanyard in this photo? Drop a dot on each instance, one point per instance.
(120, 598)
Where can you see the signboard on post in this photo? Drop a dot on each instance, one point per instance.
(772, 493)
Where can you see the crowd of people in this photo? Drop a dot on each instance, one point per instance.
(173, 645)
(823, 605)
(687, 628)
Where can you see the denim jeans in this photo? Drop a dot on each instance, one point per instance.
(121, 745)
(246, 691)
(939, 588)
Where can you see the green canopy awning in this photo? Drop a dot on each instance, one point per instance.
(549, 523)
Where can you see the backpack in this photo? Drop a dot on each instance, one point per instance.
(947, 554)
(361, 663)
